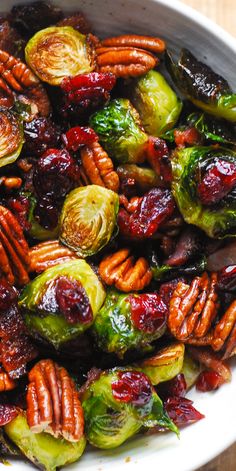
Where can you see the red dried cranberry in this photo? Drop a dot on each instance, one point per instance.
(132, 387)
(8, 295)
(40, 134)
(189, 136)
(227, 278)
(217, 182)
(73, 301)
(86, 81)
(181, 411)
(208, 381)
(166, 289)
(47, 212)
(79, 136)
(154, 208)
(158, 157)
(20, 207)
(148, 312)
(7, 413)
(176, 387)
(55, 174)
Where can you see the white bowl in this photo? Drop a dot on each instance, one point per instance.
(181, 27)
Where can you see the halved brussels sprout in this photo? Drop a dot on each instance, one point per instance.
(191, 370)
(145, 178)
(200, 84)
(216, 130)
(120, 133)
(118, 326)
(58, 52)
(43, 449)
(88, 219)
(189, 166)
(11, 136)
(158, 105)
(50, 313)
(164, 365)
(111, 418)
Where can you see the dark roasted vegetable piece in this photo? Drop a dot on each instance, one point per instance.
(216, 130)
(62, 302)
(144, 178)
(118, 404)
(42, 449)
(129, 321)
(120, 133)
(31, 17)
(200, 84)
(158, 105)
(11, 137)
(167, 272)
(58, 52)
(203, 187)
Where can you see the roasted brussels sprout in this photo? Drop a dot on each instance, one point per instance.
(164, 365)
(200, 84)
(203, 181)
(118, 404)
(145, 178)
(11, 136)
(191, 370)
(158, 105)
(166, 272)
(120, 133)
(130, 321)
(62, 302)
(216, 130)
(43, 449)
(58, 52)
(88, 219)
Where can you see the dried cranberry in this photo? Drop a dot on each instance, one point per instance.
(55, 174)
(154, 208)
(79, 136)
(8, 295)
(47, 212)
(176, 387)
(208, 381)
(29, 18)
(181, 411)
(20, 207)
(227, 278)
(217, 182)
(77, 21)
(73, 301)
(166, 289)
(158, 156)
(132, 387)
(7, 413)
(40, 134)
(86, 81)
(148, 312)
(189, 136)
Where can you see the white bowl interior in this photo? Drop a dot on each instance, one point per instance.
(181, 27)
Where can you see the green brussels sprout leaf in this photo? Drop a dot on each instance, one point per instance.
(216, 130)
(191, 370)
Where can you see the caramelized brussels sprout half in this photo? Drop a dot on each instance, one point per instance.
(58, 52)
(88, 219)
(62, 302)
(216, 130)
(164, 365)
(43, 449)
(191, 370)
(145, 178)
(129, 321)
(193, 166)
(158, 105)
(201, 85)
(118, 405)
(11, 137)
(120, 133)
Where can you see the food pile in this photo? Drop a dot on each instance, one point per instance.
(117, 235)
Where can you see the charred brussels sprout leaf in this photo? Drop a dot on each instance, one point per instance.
(117, 328)
(166, 272)
(58, 52)
(110, 420)
(164, 365)
(47, 310)
(11, 137)
(158, 105)
(200, 84)
(216, 130)
(43, 449)
(88, 219)
(119, 129)
(189, 168)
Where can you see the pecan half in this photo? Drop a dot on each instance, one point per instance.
(193, 307)
(99, 167)
(10, 183)
(124, 272)
(125, 61)
(14, 250)
(53, 403)
(149, 43)
(6, 383)
(48, 254)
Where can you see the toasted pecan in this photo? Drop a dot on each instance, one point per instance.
(124, 272)
(99, 167)
(125, 62)
(149, 43)
(53, 403)
(6, 383)
(48, 254)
